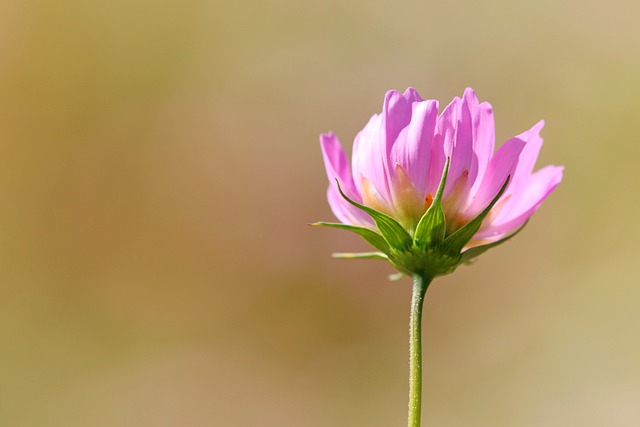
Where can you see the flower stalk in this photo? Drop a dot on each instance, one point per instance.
(420, 285)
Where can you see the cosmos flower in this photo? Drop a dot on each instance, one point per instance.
(427, 189)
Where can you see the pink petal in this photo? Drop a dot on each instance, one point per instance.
(412, 149)
(335, 161)
(337, 167)
(370, 158)
(531, 196)
(500, 167)
(483, 129)
(528, 157)
(373, 145)
(412, 95)
(346, 212)
(526, 162)
(534, 191)
(463, 159)
(396, 114)
(532, 149)
(442, 144)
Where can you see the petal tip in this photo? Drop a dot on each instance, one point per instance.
(470, 93)
(558, 175)
(391, 94)
(412, 95)
(326, 137)
(538, 126)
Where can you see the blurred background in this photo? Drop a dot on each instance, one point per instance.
(159, 163)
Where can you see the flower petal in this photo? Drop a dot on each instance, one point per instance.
(538, 187)
(412, 149)
(412, 95)
(442, 144)
(446, 130)
(532, 149)
(370, 158)
(483, 131)
(522, 174)
(345, 212)
(335, 160)
(462, 155)
(337, 167)
(529, 155)
(396, 114)
(502, 165)
(522, 204)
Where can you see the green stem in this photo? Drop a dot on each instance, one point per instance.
(420, 285)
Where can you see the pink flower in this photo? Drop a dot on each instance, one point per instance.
(399, 158)
(428, 192)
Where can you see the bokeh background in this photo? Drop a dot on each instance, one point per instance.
(159, 163)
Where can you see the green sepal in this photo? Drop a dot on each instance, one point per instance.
(395, 235)
(432, 226)
(470, 254)
(375, 239)
(360, 255)
(456, 241)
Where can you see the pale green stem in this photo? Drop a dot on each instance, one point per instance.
(420, 285)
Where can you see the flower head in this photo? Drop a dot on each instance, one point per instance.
(426, 188)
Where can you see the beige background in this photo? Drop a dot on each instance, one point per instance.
(158, 166)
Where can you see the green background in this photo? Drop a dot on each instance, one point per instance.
(159, 162)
